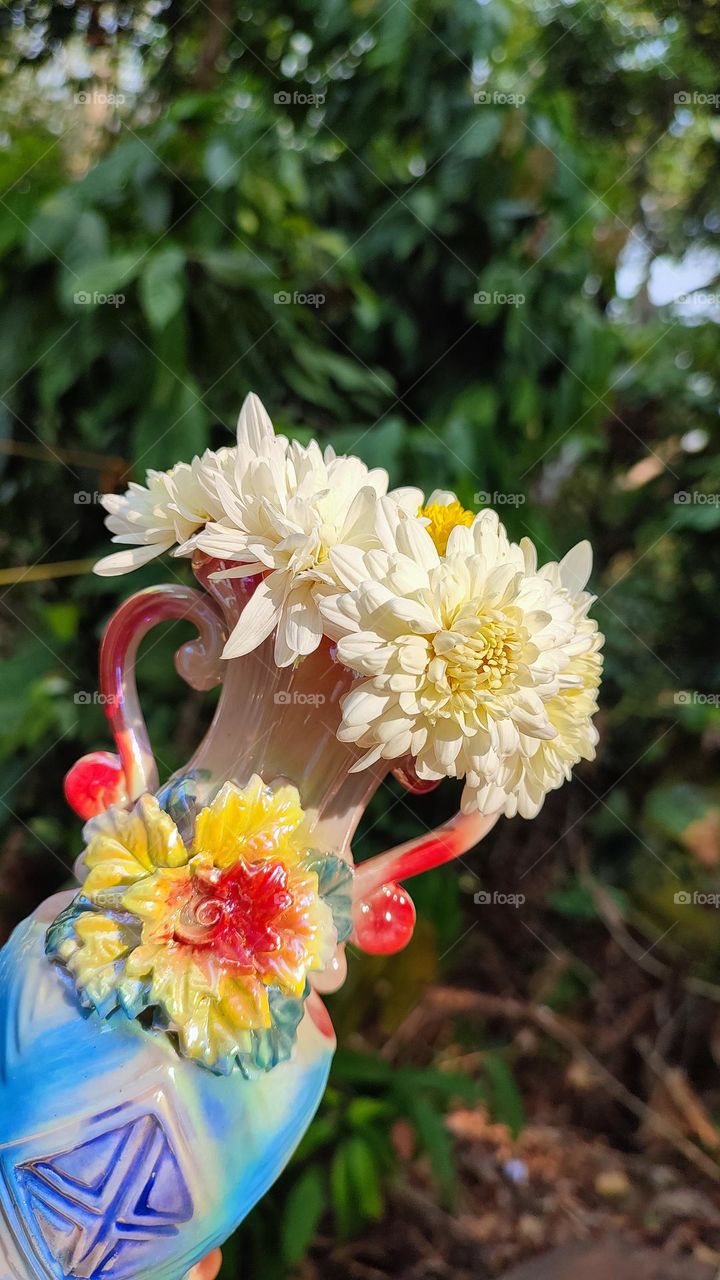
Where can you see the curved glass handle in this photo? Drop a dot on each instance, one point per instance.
(383, 913)
(450, 840)
(101, 779)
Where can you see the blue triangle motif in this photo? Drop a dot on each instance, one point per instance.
(101, 1209)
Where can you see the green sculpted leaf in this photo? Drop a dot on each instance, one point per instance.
(335, 881)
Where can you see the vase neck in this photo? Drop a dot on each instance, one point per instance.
(282, 724)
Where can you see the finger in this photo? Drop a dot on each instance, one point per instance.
(208, 1268)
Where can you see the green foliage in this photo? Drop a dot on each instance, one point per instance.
(346, 1161)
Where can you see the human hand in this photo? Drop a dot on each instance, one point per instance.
(208, 1268)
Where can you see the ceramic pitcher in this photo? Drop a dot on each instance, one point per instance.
(130, 1146)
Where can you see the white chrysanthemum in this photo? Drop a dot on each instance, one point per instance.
(140, 517)
(285, 507)
(571, 709)
(194, 493)
(469, 660)
(170, 508)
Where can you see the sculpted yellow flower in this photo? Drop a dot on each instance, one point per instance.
(211, 936)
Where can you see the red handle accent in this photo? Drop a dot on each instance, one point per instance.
(101, 779)
(383, 911)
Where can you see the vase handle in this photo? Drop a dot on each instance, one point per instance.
(383, 913)
(100, 779)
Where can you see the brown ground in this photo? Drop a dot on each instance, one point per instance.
(611, 1179)
(554, 1205)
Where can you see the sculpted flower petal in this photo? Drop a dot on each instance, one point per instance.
(209, 938)
(149, 898)
(250, 822)
(124, 847)
(221, 1028)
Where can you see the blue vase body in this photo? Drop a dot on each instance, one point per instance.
(118, 1158)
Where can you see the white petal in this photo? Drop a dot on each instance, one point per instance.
(414, 541)
(299, 629)
(387, 517)
(254, 425)
(446, 743)
(365, 761)
(404, 576)
(363, 705)
(408, 499)
(529, 555)
(576, 567)
(508, 737)
(336, 621)
(231, 503)
(441, 498)
(258, 618)
(397, 746)
(390, 727)
(529, 715)
(249, 570)
(124, 561)
(378, 479)
(460, 542)
(364, 644)
(406, 615)
(348, 564)
(359, 522)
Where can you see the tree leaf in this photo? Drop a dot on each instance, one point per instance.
(302, 1211)
(162, 285)
(101, 283)
(506, 1102)
(435, 1138)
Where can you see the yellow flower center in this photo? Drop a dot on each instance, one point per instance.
(489, 657)
(478, 656)
(443, 519)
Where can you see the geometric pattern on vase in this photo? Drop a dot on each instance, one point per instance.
(100, 1208)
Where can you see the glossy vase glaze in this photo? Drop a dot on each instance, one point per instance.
(119, 1158)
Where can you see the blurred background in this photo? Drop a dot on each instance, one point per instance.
(476, 243)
